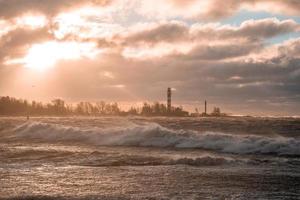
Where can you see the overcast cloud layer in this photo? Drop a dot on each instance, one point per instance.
(131, 51)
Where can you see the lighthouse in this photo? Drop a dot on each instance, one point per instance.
(205, 108)
(169, 96)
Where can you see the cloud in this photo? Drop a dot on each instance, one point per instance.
(285, 7)
(176, 31)
(290, 48)
(214, 9)
(164, 9)
(201, 41)
(250, 29)
(163, 39)
(13, 8)
(218, 52)
(15, 43)
(163, 32)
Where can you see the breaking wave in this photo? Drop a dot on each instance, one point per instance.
(154, 135)
(153, 161)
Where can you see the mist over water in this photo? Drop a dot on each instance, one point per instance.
(142, 158)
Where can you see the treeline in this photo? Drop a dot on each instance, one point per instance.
(13, 106)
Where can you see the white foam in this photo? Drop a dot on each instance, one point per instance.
(137, 160)
(154, 135)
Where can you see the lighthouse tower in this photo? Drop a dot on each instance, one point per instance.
(169, 95)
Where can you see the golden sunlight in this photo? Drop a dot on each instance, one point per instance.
(45, 55)
(32, 21)
(76, 21)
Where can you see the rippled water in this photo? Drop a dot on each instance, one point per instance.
(150, 158)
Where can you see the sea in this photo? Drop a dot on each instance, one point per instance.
(86, 158)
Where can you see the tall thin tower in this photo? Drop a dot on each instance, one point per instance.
(169, 95)
(205, 107)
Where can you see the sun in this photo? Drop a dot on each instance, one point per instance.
(45, 55)
(41, 56)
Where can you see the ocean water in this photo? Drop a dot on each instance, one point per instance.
(149, 158)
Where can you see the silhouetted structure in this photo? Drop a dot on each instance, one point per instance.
(205, 108)
(169, 95)
(216, 112)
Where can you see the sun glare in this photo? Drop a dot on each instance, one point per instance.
(45, 55)
(32, 21)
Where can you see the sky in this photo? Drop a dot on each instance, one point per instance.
(242, 56)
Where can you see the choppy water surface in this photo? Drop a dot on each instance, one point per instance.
(150, 158)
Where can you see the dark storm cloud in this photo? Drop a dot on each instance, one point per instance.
(14, 8)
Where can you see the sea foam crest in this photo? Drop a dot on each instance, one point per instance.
(154, 135)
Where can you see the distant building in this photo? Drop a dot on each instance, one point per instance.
(215, 113)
